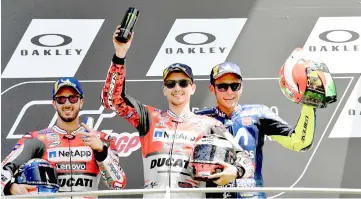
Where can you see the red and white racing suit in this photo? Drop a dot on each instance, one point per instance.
(78, 166)
(167, 141)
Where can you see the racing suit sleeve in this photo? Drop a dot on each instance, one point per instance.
(242, 162)
(108, 162)
(27, 148)
(115, 98)
(299, 138)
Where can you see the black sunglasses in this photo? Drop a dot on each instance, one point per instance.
(183, 83)
(223, 87)
(62, 99)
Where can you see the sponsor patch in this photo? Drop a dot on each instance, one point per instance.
(41, 137)
(246, 121)
(52, 136)
(54, 144)
(165, 136)
(45, 131)
(75, 181)
(72, 166)
(64, 154)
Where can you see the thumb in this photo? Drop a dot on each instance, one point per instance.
(87, 127)
(224, 164)
(26, 186)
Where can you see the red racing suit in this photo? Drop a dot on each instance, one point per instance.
(78, 166)
(167, 141)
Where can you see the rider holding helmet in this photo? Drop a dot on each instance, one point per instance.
(80, 155)
(303, 80)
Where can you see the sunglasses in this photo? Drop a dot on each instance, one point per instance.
(62, 99)
(223, 87)
(183, 83)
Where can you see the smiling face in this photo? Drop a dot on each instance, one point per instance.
(67, 103)
(178, 88)
(227, 89)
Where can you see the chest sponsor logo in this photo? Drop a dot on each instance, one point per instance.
(64, 154)
(76, 182)
(54, 144)
(178, 137)
(52, 136)
(160, 162)
(72, 166)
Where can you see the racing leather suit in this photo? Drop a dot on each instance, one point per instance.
(167, 140)
(250, 123)
(78, 166)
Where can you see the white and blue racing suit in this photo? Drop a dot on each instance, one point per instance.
(249, 124)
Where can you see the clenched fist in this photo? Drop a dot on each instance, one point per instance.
(121, 49)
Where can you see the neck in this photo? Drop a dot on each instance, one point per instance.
(68, 126)
(227, 111)
(179, 109)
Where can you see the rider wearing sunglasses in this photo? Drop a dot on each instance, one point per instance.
(250, 123)
(91, 154)
(168, 137)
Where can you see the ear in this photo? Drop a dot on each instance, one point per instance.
(164, 90)
(241, 90)
(81, 103)
(54, 104)
(194, 86)
(211, 88)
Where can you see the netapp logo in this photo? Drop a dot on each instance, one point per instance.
(52, 154)
(195, 39)
(161, 135)
(50, 42)
(73, 166)
(74, 153)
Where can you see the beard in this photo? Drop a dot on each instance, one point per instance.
(69, 118)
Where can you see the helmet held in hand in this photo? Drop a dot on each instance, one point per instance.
(208, 151)
(40, 173)
(306, 80)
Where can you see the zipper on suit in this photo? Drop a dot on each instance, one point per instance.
(171, 155)
(71, 167)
